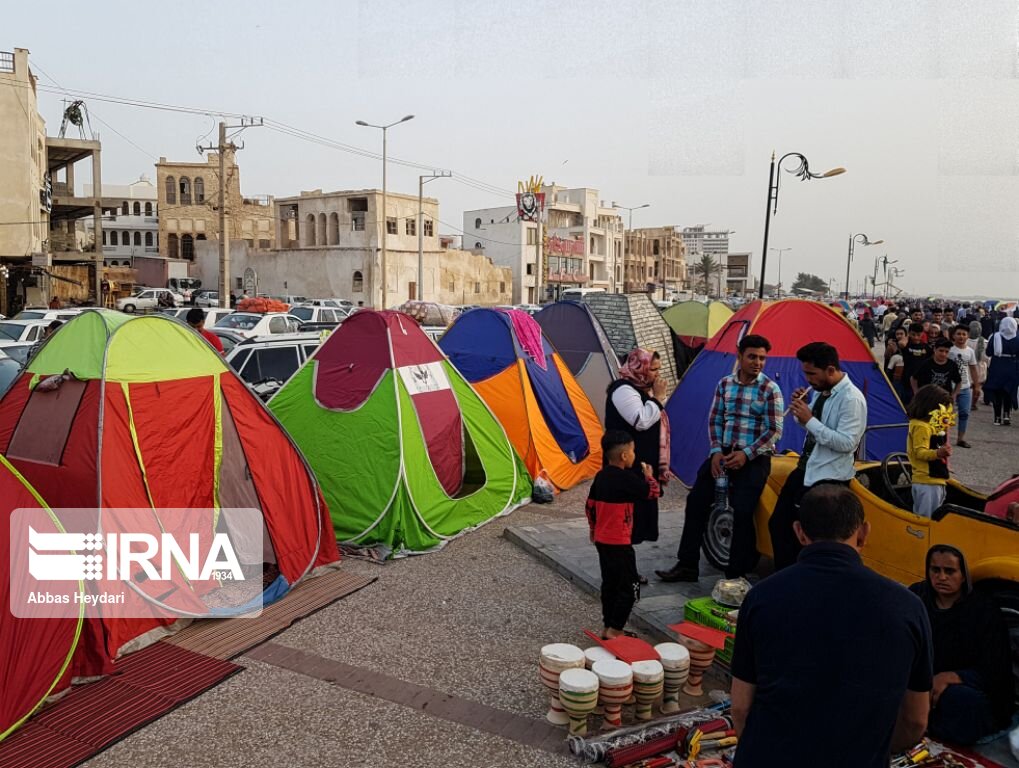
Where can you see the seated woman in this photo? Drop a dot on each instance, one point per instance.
(973, 693)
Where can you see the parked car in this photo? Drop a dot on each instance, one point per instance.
(149, 299)
(212, 316)
(206, 298)
(229, 339)
(271, 360)
(23, 330)
(319, 315)
(344, 303)
(49, 315)
(434, 332)
(251, 324)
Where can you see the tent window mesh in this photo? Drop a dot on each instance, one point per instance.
(45, 424)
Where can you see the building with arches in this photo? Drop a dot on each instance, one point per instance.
(130, 221)
(188, 200)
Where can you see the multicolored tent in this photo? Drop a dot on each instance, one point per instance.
(543, 409)
(788, 324)
(580, 340)
(154, 419)
(694, 322)
(407, 453)
(37, 652)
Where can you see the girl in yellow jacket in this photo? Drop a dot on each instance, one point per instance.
(928, 450)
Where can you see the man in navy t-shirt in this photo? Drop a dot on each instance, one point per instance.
(832, 664)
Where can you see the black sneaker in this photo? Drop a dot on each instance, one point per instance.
(997, 422)
(678, 573)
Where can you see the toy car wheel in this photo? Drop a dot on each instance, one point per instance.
(718, 537)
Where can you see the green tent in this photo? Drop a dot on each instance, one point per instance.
(407, 454)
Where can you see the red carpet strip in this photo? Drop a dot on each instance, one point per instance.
(145, 686)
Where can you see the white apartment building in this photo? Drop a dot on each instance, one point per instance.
(582, 243)
(700, 240)
(131, 223)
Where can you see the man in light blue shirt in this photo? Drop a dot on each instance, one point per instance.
(835, 422)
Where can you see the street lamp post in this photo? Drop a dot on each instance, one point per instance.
(805, 174)
(629, 230)
(780, 252)
(385, 223)
(852, 247)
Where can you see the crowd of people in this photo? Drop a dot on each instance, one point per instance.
(937, 660)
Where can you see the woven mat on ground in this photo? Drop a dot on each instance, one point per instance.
(228, 638)
(145, 686)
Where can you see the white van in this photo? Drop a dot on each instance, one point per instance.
(578, 294)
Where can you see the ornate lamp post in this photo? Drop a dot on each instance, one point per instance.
(805, 174)
(852, 247)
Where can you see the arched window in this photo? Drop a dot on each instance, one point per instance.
(185, 190)
(592, 247)
(477, 223)
(187, 247)
(125, 209)
(358, 286)
(148, 209)
(171, 246)
(200, 237)
(137, 238)
(334, 228)
(309, 230)
(171, 189)
(137, 209)
(148, 239)
(114, 240)
(104, 237)
(199, 189)
(321, 234)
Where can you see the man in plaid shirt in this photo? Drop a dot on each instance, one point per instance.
(745, 424)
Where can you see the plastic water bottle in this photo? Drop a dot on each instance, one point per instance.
(722, 490)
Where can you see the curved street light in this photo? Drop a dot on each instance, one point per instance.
(803, 172)
(852, 247)
(383, 128)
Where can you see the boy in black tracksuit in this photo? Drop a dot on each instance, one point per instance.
(610, 514)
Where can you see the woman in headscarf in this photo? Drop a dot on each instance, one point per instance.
(972, 695)
(636, 404)
(1002, 382)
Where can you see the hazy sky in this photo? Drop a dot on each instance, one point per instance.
(676, 103)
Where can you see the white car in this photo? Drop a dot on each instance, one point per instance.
(317, 314)
(42, 313)
(251, 324)
(212, 316)
(272, 358)
(23, 330)
(18, 351)
(149, 298)
(342, 303)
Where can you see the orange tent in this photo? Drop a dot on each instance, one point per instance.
(548, 418)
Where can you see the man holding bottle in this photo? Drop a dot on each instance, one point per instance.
(745, 424)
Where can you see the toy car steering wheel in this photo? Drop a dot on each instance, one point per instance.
(900, 493)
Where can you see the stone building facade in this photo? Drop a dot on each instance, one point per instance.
(189, 207)
(664, 250)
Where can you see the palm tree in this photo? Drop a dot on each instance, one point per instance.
(706, 268)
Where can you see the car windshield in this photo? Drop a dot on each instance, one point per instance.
(305, 313)
(27, 314)
(9, 370)
(11, 331)
(239, 320)
(18, 352)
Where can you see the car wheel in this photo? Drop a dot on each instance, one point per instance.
(129, 308)
(718, 537)
(1006, 595)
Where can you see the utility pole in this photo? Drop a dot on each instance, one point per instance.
(224, 224)
(421, 227)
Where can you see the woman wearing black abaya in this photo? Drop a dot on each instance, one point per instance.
(973, 688)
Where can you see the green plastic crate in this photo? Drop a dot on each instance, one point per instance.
(699, 610)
